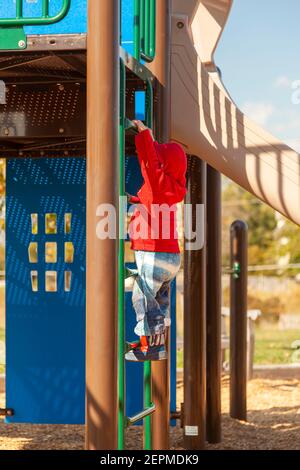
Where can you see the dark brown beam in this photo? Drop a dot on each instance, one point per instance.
(238, 320)
(213, 309)
(195, 319)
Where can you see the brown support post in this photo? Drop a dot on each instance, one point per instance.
(195, 319)
(238, 320)
(102, 188)
(161, 68)
(213, 310)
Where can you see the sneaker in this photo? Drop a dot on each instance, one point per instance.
(130, 275)
(129, 272)
(129, 283)
(150, 348)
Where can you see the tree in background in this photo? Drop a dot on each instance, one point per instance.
(289, 234)
(262, 223)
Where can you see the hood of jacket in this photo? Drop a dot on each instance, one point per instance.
(173, 159)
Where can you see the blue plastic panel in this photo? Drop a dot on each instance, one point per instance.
(75, 22)
(45, 331)
(127, 25)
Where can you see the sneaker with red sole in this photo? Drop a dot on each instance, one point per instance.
(150, 348)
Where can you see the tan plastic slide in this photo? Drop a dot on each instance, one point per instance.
(206, 121)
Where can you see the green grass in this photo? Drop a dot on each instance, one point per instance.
(2, 306)
(274, 347)
(271, 347)
(180, 359)
(2, 338)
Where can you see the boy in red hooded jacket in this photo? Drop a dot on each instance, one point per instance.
(154, 238)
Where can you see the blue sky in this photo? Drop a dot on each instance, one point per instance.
(259, 58)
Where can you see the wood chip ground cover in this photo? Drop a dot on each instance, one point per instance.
(273, 422)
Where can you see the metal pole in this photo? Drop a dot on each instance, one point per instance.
(45, 8)
(161, 68)
(102, 188)
(238, 320)
(147, 364)
(147, 404)
(195, 320)
(121, 265)
(19, 9)
(213, 309)
(137, 29)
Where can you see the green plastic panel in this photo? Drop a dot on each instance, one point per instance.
(144, 29)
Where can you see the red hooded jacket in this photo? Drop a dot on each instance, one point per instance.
(163, 166)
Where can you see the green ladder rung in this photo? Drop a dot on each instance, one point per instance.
(129, 126)
(149, 408)
(142, 415)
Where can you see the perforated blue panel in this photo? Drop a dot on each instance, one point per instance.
(45, 331)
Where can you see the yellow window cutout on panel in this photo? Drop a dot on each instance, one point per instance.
(34, 280)
(68, 278)
(51, 224)
(69, 252)
(68, 220)
(34, 224)
(33, 252)
(51, 252)
(51, 281)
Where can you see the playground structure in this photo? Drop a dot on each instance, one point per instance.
(44, 137)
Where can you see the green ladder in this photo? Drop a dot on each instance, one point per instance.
(12, 35)
(144, 49)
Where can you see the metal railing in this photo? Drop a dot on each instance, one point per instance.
(144, 49)
(44, 19)
(149, 407)
(12, 36)
(144, 29)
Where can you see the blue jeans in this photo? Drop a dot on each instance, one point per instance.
(150, 297)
